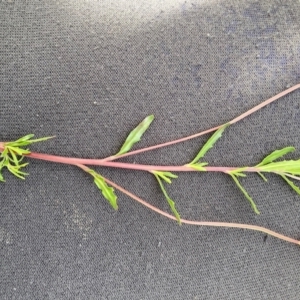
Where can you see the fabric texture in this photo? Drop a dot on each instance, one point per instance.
(88, 72)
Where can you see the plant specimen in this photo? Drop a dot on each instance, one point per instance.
(13, 153)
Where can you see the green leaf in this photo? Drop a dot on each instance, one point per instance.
(1, 167)
(107, 191)
(4, 152)
(275, 155)
(3, 163)
(262, 176)
(252, 203)
(198, 167)
(2, 178)
(165, 175)
(46, 138)
(17, 150)
(169, 200)
(136, 134)
(238, 172)
(209, 144)
(26, 140)
(291, 184)
(14, 158)
(15, 171)
(285, 166)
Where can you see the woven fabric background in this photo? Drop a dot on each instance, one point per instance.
(88, 72)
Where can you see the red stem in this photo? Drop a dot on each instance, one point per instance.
(100, 162)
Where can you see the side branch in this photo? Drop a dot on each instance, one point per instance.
(233, 121)
(205, 223)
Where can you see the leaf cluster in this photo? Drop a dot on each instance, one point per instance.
(13, 154)
(284, 168)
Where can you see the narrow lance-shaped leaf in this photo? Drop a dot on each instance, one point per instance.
(1, 177)
(285, 166)
(165, 175)
(14, 158)
(262, 176)
(209, 144)
(15, 170)
(291, 184)
(4, 152)
(238, 172)
(107, 191)
(17, 150)
(136, 134)
(169, 200)
(46, 138)
(2, 162)
(275, 155)
(252, 203)
(198, 167)
(26, 140)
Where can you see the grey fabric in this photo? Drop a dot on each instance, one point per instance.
(88, 72)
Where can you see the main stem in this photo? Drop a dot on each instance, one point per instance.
(120, 165)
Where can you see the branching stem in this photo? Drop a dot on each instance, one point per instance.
(11, 161)
(199, 223)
